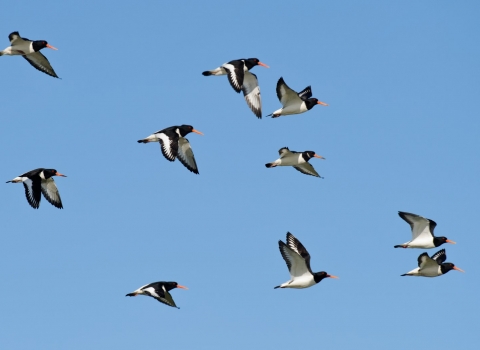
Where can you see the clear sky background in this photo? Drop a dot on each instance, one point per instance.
(401, 132)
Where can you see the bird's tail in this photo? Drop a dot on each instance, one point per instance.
(143, 141)
(405, 274)
(276, 287)
(207, 73)
(270, 165)
(399, 246)
(131, 295)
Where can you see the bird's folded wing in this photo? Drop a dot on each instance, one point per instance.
(50, 191)
(40, 62)
(306, 168)
(251, 91)
(185, 155)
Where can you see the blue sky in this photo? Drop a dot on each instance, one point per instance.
(401, 132)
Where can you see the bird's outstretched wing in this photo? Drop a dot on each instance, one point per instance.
(40, 62)
(440, 256)
(296, 264)
(306, 93)
(235, 74)
(161, 295)
(297, 247)
(169, 146)
(306, 168)
(251, 91)
(285, 94)
(50, 192)
(185, 155)
(33, 192)
(420, 225)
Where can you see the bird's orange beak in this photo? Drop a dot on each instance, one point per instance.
(322, 103)
(51, 47)
(458, 269)
(179, 286)
(197, 132)
(451, 242)
(332, 276)
(317, 156)
(58, 174)
(263, 65)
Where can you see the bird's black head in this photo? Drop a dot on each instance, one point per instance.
(311, 102)
(438, 241)
(41, 44)
(172, 285)
(48, 173)
(318, 276)
(307, 155)
(187, 129)
(252, 62)
(445, 267)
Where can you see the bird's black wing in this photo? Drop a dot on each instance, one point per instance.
(294, 244)
(440, 256)
(306, 93)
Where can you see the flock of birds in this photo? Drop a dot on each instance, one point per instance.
(174, 145)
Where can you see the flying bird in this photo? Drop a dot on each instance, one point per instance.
(240, 78)
(432, 266)
(159, 291)
(174, 145)
(40, 181)
(30, 50)
(422, 232)
(298, 262)
(299, 161)
(293, 102)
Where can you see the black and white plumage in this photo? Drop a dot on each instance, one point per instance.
(293, 102)
(174, 145)
(159, 291)
(299, 161)
(240, 78)
(30, 50)
(433, 266)
(298, 263)
(40, 181)
(422, 232)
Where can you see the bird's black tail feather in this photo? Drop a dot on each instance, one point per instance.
(207, 73)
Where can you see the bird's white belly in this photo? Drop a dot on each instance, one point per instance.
(421, 242)
(296, 108)
(303, 282)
